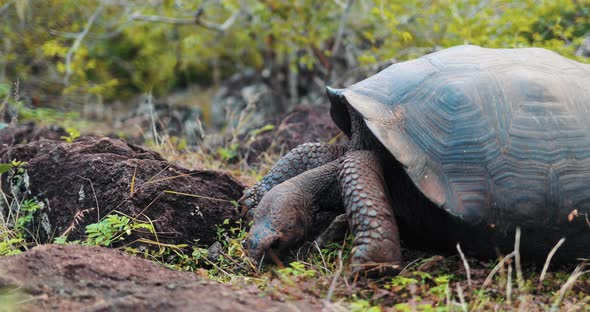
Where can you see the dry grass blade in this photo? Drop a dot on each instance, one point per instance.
(464, 306)
(549, 256)
(315, 244)
(488, 279)
(465, 264)
(518, 265)
(198, 196)
(335, 278)
(79, 216)
(568, 285)
(95, 198)
(133, 182)
(509, 285)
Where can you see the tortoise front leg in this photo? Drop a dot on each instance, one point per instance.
(300, 159)
(376, 237)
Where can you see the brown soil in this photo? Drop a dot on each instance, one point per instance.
(301, 125)
(81, 182)
(82, 278)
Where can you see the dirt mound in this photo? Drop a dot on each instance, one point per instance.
(79, 183)
(302, 124)
(74, 278)
(28, 132)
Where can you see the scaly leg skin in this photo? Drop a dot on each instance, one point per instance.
(376, 246)
(300, 159)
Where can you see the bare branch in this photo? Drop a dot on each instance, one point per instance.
(196, 19)
(78, 41)
(108, 35)
(5, 7)
(162, 19)
(340, 32)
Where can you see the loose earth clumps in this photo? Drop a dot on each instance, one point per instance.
(460, 146)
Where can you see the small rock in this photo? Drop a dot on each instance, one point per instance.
(584, 49)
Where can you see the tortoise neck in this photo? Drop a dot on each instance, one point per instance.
(361, 138)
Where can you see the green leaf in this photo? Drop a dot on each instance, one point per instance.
(5, 167)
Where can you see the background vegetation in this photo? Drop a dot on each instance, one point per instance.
(107, 50)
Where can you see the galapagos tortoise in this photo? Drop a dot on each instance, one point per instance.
(463, 145)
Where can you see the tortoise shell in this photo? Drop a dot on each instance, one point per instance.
(500, 136)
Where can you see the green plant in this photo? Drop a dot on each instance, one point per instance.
(228, 153)
(10, 243)
(25, 214)
(362, 305)
(73, 134)
(297, 268)
(112, 229)
(442, 284)
(401, 282)
(13, 225)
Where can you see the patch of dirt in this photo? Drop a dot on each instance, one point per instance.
(28, 132)
(79, 183)
(301, 125)
(75, 278)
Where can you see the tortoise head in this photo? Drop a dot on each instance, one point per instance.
(281, 221)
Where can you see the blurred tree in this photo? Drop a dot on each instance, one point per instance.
(115, 48)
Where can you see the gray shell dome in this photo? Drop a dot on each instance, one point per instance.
(500, 136)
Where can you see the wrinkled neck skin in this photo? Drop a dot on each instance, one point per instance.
(320, 187)
(362, 139)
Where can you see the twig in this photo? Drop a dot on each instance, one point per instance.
(78, 41)
(549, 256)
(95, 198)
(335, 278)
(568, 285)
(239, 264)
(5, 7)
(108, 35)
(518, 266)
(509, 284)
(315, 243)
(409, 265)
(465, 264)
(196, 19)
(340, 32)
(488, 279)
(464, 306)
(198, 196)
(162, 19)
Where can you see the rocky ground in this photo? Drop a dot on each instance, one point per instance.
(82, 278)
